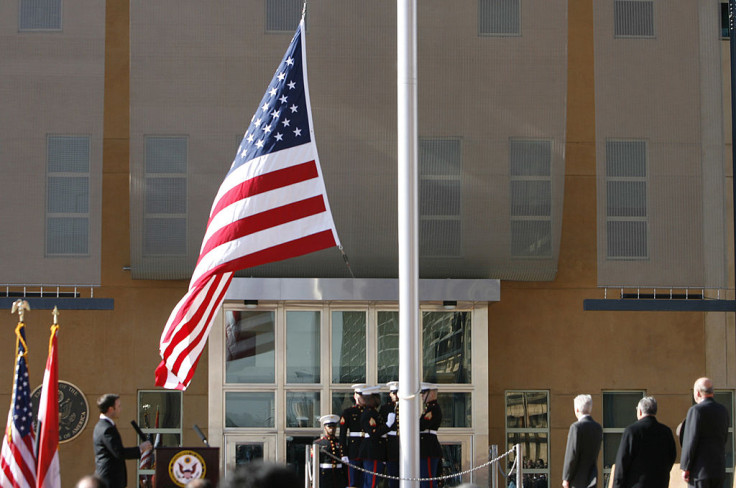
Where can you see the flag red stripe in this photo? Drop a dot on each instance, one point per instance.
(202, 336)
(28, 473)
(264, 220)
(48, 437)
(191, 322)
(273, 180)
(291, 249)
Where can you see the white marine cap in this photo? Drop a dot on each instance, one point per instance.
(370, 390)
(358, 387)
(428, 386)
(393, 385)
(329, 419)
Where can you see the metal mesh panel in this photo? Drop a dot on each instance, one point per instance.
(40, 15)
(633, 18)
(201, 72)
(283, 15)
(659, 145)
(67, 235)
(499, 17)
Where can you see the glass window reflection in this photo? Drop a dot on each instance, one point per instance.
(388, 346)
(348, 347)
(302, 409)
(534, 449)
(249, 409)
(527, 423)
(446, 347)
(302, 347)
(526, 410)
(296, 447)
(249, 347)
(452, 462)
(619, 408)
(456, 409)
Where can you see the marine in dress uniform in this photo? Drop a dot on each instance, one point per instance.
(351, 434)
(332, 470)
(373, 447)
(430, 451)
(392, 436)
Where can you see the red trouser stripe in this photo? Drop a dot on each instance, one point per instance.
(375, 469)
(429, 471)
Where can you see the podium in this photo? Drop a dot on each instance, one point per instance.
(177, 466)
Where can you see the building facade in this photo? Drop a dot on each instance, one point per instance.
(567, 151)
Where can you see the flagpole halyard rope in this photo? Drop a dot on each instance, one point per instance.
(436, 478)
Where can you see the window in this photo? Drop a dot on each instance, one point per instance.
(283, 15)
(302, 347)
(39, 15)
(531, 198)
(388, 346)
(165, 194)
(67, 195)
(724, 20)
(159, 416)
(348, 346)
(439, 197)
(725, 398)
(633, 18)
(619, 411)
(446, 347)
(626, 199)
(499, 17)
(527, 423)
(250, 347)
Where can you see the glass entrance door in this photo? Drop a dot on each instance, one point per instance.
(242, 449)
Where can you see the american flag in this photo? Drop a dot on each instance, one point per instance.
(18, 461)
(271, 206)
(48, 473)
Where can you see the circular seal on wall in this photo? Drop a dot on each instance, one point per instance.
(73, 410)
(186, 466)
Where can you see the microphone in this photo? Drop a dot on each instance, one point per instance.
(201, 435)
(142, 434)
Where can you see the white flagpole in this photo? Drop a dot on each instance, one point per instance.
(408, 238)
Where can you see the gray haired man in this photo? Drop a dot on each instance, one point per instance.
(580, 469)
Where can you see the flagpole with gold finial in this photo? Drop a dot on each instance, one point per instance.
(20, 306)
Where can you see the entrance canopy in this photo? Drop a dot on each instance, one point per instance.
(347, 289)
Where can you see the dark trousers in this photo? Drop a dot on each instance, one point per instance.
(709, 483)
(355, 477)
(428, 469)
(392, 469)
(371, 480)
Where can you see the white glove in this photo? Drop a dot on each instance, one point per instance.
(345, 460)
(390, 420)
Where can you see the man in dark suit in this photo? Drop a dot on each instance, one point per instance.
(110, 455)
(580, 469)
(647, 451)
(703, 459)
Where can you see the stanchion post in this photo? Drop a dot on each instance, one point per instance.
(315, 466)
(494, 466)
(518, 465)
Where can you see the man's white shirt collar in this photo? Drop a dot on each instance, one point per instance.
(103, 416)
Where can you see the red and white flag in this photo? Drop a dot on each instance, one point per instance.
(18, 458)
(48, 474)
(271, 206)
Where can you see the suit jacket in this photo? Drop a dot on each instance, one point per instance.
(704, 441)
(110, 455)
(581, 455)
(645, 456)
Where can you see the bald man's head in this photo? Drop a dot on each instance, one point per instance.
(702, 389)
